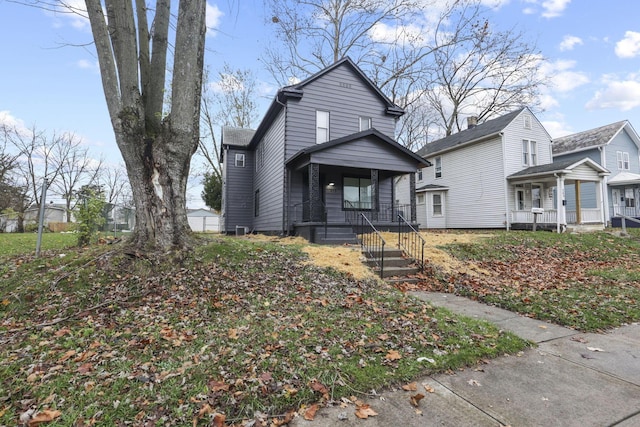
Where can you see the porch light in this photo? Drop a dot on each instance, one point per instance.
(331, 184)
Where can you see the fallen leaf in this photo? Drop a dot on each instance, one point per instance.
(310, 412)
(233, 334)
(542, 326)
(68, 355)
(415, 399)
(410, 387)
(44, 416)
(393, 355)
(595, 349)
(474, 382)
(364, 411)
(320, 388)
(219, 420)
(215, 386)
(428, 388)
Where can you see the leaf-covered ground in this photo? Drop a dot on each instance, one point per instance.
(586, 281)
(243, 333)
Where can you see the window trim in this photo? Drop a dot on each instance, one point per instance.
(419, 175)
(527, 121)
(359, 178)
(437, 169)
(533, 152)
(369, 121)
(434, 204)
(525, 152)
(622, 159)
(326, 130)
(240, 160)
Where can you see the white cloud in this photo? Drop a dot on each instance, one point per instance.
(563, 78)
(7, 119)
(569, 42)
(629, 46)
(557, 129)
(384, 33)
(214, 14)
(554, 8)
(623, 95)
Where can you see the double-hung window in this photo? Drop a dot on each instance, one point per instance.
(322, 126)
(438, 166)
(357, 193)
(623, 160)
(437, 204)
(534, 153)
(239, 160)
(525, 152)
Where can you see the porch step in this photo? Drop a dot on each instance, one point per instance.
(334, 236)
(394, 264)
(398, 272)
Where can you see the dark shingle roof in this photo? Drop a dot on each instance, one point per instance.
(558, 166)
(587, 139)
(239, 137)
(476, 133)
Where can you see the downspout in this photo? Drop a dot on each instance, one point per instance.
(286, 181)
(505, 183)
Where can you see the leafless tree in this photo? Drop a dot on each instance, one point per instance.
(75, 168)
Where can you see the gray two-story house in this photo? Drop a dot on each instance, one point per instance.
(616, 147)
(323, 152)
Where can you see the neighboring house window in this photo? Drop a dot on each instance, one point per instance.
(438, 168)
(256, 203)
(239, 160)
(527, 121)
(322, 126)
(419, 175)
(520, 199)
(420, 199)
(536, 196)
(437, 204)
(365, 123)
(525, 152)
(629, 198)
(357, 193)
(623, 160)
(534, 153)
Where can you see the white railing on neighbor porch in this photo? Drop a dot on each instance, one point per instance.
(551, 217)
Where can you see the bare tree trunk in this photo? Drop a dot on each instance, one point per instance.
(156, 147)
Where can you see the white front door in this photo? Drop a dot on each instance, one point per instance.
(616, 196)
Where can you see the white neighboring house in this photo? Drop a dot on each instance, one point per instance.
(496, 175)
(203, 220)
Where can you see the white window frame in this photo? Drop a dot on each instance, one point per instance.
(625, 160)
(527, 121)
(629, 198)
(439, 205)
(419, 175)
(365, 123)
(239, 160)
(525, 152)
(437, 163)
(533, 148)
(322, 126)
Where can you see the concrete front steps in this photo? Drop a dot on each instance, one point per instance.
(396, 269)
(335, 236)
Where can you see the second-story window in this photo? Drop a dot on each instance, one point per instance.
(623, 160)
(438, 166)
(534, 153)
(525, 152)
(365, 123)
(322, 126)
(419, 175)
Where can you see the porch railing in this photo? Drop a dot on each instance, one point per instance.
(411, 241)
(386, 212)
(625, 211)
(551, 217)
(369, 237)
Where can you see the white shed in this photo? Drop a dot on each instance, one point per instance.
(203, 220)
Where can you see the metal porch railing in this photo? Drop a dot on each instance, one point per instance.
(411, 241)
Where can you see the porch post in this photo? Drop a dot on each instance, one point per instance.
(599, 201)
(578, 203)
(412, 197)
(315, 199)
(561, 208)
(375, 197)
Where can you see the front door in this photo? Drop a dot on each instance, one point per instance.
(616, 197)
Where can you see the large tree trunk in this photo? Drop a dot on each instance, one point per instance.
(156, 146)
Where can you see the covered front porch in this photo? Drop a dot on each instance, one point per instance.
(331, 185)
(551, 196)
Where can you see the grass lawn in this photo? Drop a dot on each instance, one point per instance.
(242, 330)
(589, 282)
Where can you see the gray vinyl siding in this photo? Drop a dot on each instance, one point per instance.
(346, 97)
(593, 154)
(269, 177)
(238, 197)
(621, 142)
(364, 153)
(475, 178)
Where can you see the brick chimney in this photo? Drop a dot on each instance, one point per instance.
(472, 121)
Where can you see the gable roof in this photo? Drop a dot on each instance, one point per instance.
(296, 91)
(592, 138)
(353, 137)
(624, 178)
(478, 133)
(558, 167)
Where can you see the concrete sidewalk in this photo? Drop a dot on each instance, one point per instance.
(570, 379)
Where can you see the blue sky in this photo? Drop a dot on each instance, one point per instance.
(49, 79)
